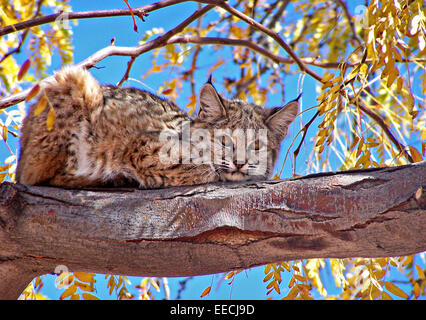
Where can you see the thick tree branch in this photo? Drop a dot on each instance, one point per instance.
(210, 228)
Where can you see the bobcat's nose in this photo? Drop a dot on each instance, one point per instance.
(239, 165)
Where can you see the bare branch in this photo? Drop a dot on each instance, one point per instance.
(141, 12)
(113, 50)
(350, 20)
(252, 46)
(126, 74)
(267, 31)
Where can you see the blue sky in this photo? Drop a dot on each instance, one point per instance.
(91, 35)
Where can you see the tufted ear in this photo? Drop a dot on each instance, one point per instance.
(211, 108)
(280, 118)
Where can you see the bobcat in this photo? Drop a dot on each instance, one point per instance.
(105, 135)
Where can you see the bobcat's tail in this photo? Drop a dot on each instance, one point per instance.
(44, 152)
(77, 84)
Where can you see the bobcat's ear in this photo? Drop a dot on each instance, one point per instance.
(280, 118)
(211, 105)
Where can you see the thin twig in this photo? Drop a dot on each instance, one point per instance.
(126, 75)
(305, 131)
(384, 127)
(182, 287)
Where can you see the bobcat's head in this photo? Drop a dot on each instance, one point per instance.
(245, 138)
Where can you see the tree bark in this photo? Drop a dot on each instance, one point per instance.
(209, 228)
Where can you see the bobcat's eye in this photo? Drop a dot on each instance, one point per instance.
(257, 145)
(226, 141)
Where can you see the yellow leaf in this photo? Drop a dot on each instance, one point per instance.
(416, 290)
(276, 287)
(399, 83)
(360, 146)
(41, 105)
(229, 275)
(277, 276)
(84, 286)
(24, 68)
(300, 278)
(270, 284)
(5, 131)
(68, 292)
(75, 297)
(192, 104)
(285, 265)
(327, 77)
(155, 69)
(415, 154)
(154, 284)
(88, 296)
(393, 74)
(408, 260)
(267, 268)
(206, 291)
(420, 272)
(395, 290)
(37, 282)
(291, 282)
(2, 176)
(292, 294)
(363, 70)
(323, 95)
(410, 102)
(167, 91)
(268, 276)
(85, 277)
(4, 168)
(33, 92)
(352, 74)
(50, 119)
(295, 268)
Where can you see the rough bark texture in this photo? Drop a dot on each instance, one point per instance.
(210, 228)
